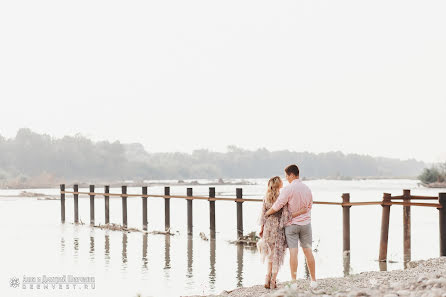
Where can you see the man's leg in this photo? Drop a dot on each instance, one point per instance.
(310, 262)
(306, 241)
(292, 239)
(293, 262)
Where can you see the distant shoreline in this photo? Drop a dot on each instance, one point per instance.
(189, 182)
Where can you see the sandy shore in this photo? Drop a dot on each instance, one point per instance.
(422, 278)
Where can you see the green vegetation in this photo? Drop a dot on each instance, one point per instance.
(435, 174)
(39, 158)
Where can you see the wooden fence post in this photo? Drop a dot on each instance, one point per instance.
(167, 209)
(442, 220)
(91, 205)
(384, 227)
(239, 195)
(189, 212)
(144, 209)
(406, 226)
(62, 203)
(346, 224)
(107, 204)
(212, 212)
(124, 206)
(76, 203)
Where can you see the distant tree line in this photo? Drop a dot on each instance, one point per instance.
(30, 155)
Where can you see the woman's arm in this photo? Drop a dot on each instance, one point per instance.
(280, 202)
(261, 231)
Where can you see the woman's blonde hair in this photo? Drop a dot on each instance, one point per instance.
(273, 190)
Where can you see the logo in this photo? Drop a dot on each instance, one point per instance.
(14, 282)
(59, 282)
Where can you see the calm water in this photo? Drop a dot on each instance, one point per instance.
(35, 243)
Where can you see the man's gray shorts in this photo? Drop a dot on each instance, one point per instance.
(296, 233)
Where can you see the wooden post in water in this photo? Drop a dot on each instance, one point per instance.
(212, 212)
(442, 220)
(406, 226)
(76, 203)
(62, 203)
(107, 204)
(144, 209)
(189, 212)
(124, 206)
(239, 195)
(166, 209)
(384, 228)
(91, 205)
(346, 224)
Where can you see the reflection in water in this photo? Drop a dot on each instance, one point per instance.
(240, 250)
(144, 251)
(406, 264)
(346, 264)
(212, 274)
(62, 244)
(76, 247)
(307, 271)
(191, 282)
(167, 252)
(107, 249)
(124, 250)
(382, 266)
(76, 244)
(189, 256)
(92, 246)
(167, 256)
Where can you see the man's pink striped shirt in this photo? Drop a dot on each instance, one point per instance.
(297, 195)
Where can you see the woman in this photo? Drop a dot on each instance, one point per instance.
(272, 244)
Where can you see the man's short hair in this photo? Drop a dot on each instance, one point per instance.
(292, 169)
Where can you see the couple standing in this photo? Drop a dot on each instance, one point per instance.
(286, 221)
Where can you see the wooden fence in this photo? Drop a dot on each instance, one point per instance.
(388, 200)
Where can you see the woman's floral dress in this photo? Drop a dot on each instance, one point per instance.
(273, 244)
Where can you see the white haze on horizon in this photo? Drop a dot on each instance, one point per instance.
(366, 77)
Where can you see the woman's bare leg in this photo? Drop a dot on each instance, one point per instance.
(268, 275)
(274, 273)
(273, 280)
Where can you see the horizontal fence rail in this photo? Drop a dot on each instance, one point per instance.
(436, 205)
(387, 201)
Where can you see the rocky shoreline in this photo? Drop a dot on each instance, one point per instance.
(436, 185)
(426, 278)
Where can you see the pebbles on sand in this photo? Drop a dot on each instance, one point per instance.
(421, 278)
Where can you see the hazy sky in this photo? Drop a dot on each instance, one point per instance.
(357, 76)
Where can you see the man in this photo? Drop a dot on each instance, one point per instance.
(298, 229)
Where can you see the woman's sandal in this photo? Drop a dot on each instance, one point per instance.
(273, 284)
(267, 281)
